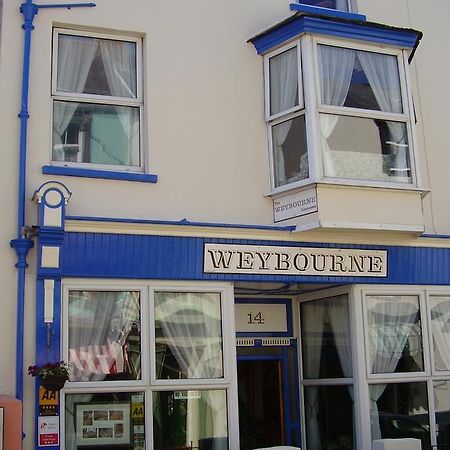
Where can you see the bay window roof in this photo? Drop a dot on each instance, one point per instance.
(340, 24)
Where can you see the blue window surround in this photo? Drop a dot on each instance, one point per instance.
(314, 20)
(94, 173)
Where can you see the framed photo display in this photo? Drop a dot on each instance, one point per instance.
(103, 423)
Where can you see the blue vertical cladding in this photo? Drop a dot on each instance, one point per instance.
(181, 258)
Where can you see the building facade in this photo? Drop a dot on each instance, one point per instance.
(230, 219)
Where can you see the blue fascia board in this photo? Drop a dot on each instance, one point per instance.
(360, 31)
(103, 174)
(300, 7)
(122, 256)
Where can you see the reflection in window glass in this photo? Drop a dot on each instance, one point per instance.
(440, 327)
(106, 420)
(195, 419)
(326, 341)
(91, 65)
(104, 335)
(359, 79)
(94, 133)
(442, 412)
(342, 5)
(283, 73)
(188, 332)
(365, 149)
(329, 417)
(290, 156)
(395, 335)
(400, 411)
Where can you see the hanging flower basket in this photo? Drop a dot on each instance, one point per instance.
(53, 376)
(53, 383)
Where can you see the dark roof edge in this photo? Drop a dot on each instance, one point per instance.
(290, 19)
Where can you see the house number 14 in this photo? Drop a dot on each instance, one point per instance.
(255, 319)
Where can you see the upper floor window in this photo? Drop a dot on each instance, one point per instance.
(342, 5)
(97, 100)
(338, 111)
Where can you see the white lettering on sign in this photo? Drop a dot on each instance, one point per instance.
(295, 205)
(260, 317)
(272, 260)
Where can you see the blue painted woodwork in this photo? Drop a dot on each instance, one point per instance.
(94, 173)
(96, 255)
(301, 23)
(301, 7)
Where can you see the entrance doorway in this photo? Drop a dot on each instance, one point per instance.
(268, 397)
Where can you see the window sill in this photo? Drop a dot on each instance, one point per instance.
(103, 174)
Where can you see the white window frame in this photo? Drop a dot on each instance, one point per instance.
(100, 99)
(289, 114)
(404, 117)
(350, 6)
(149, 384)
(309, 84)
(428, 376)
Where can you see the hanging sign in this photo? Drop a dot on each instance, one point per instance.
(48, 431)
(273, 260)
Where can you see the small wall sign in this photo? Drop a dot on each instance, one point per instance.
(48, 431)
(260, 318)
(295, 205)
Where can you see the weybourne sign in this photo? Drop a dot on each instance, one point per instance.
(273, 260)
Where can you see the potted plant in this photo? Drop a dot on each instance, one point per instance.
(53, 376)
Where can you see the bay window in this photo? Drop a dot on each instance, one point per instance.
(338, 112)
(363, 125)
(97, 101)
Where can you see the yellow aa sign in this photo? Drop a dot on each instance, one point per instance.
(137, 410)
(47, 397)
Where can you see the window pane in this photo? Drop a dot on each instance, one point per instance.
(329, 417)
(100, 134)
(104, 335)
(359, 79)
(105, 420)
(333, 4)
(188, 332)
(283, 81)
(90, 65)
(395, 334)
(400, 411)
(290, 156)
(442, 412)
(440, 326)
(326, 340)
(185, 420)
(365, 149)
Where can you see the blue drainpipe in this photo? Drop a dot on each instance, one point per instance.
(22, 244)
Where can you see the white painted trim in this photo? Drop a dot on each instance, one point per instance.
(361, 226)
(50, 257)
(148, 384)
(332, 235)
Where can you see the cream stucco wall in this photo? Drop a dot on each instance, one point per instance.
(205, 130)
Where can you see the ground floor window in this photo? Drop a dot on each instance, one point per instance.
(396, 384)
(151, 366)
